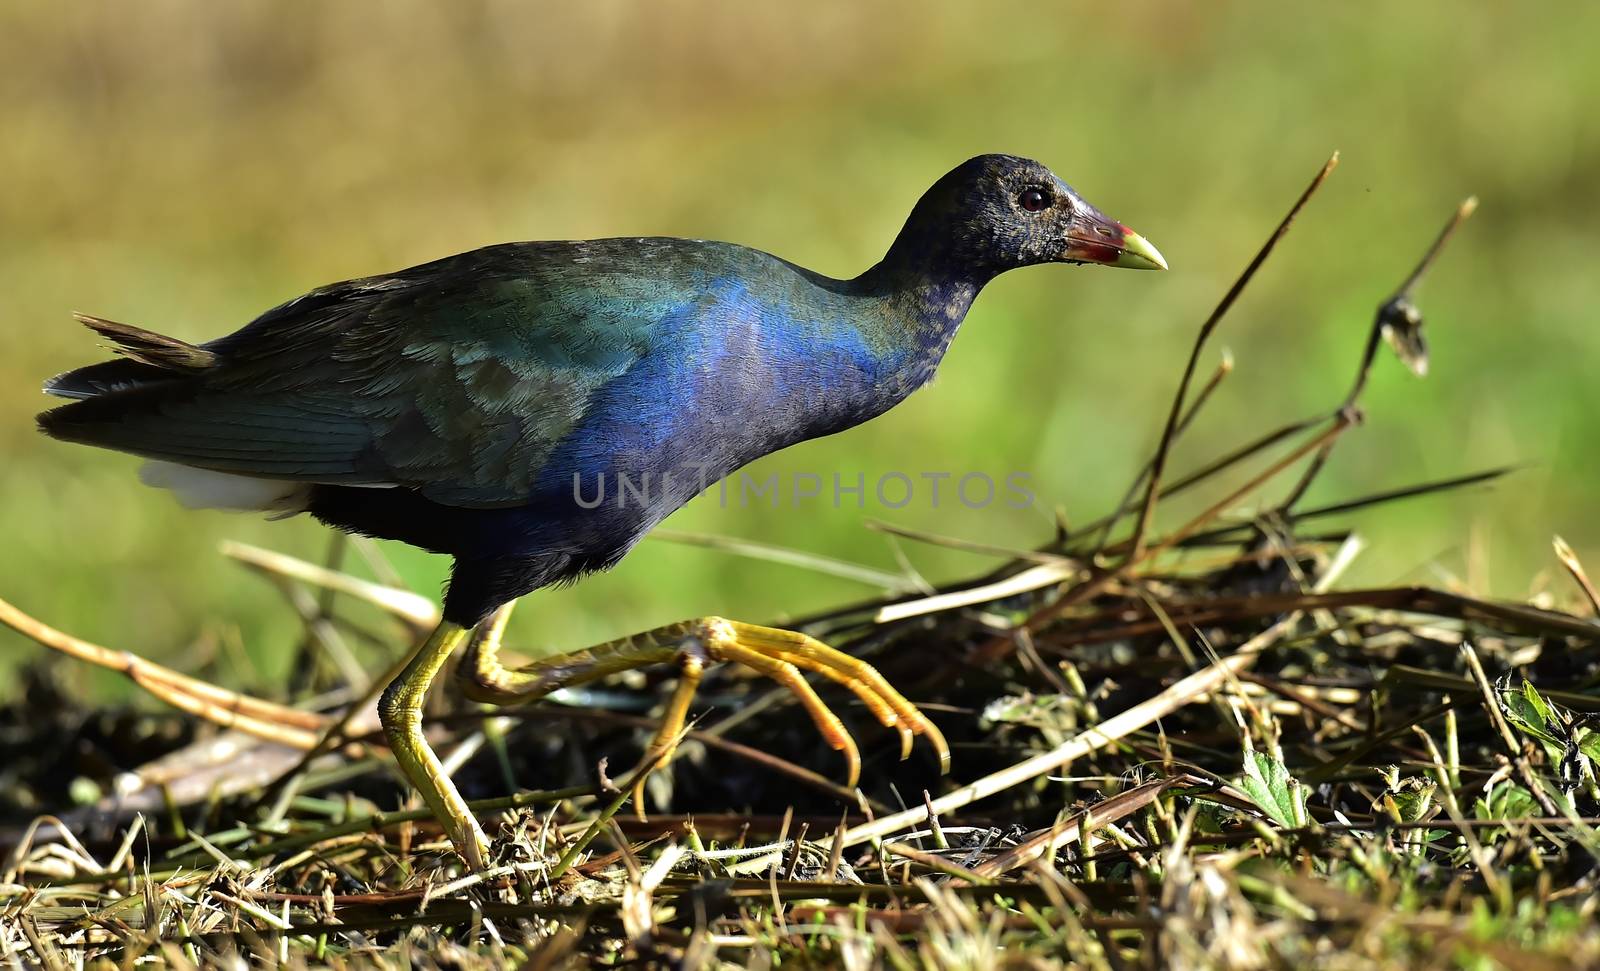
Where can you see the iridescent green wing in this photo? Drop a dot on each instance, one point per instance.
(456, 378)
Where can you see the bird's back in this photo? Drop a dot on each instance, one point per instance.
(503, 378)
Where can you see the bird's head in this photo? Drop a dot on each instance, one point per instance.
(995, 213)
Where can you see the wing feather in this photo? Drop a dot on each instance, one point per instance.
(456, 378)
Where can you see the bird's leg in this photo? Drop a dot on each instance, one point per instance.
(400, 709)
(691, 667)
(483, 650)
(778, 654)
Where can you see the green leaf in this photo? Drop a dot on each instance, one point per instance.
(1589, 743)
(1507, 801)
(1278, 794)
(1412, 802)
(1526, 716)
(1547, 715)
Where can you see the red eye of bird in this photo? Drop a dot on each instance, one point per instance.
(1033, 199)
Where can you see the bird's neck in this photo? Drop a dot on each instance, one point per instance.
(923, 296)
(932, 272)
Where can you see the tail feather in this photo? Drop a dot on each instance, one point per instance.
(146, 358)
(94, 380)
(149, 347)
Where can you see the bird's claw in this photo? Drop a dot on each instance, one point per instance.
(783, 656)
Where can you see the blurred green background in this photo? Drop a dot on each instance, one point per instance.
(184, 166)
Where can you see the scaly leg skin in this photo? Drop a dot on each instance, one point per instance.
(400, 710)
(779, 654)
(691, 667)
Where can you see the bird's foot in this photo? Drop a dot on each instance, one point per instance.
(783, 655)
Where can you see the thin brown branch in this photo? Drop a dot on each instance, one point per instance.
(1104, 577)
(1498, 720)
(230, 709)
(1153, 489)
(1398, 320)
(1105, 525)
(1569, 559)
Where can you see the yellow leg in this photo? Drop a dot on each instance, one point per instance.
(779, 654)
(691, 666)
(400, 709)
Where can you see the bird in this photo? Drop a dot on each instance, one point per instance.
(472, 405)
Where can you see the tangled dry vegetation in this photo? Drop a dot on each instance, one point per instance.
(1188, 749)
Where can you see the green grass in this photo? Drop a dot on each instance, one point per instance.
(1218, 756)
(1220, 751)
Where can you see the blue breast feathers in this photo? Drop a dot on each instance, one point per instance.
(737, 373)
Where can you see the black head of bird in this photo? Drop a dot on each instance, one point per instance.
(995, 213)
